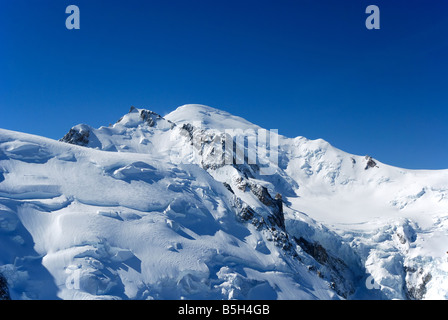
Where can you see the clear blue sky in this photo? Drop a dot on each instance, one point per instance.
(308, 68)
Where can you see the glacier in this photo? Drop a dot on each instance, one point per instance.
(160, 207)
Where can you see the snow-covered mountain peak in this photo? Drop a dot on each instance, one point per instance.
(208, 118)
(137, 117)
(131, 133)
(161, 207)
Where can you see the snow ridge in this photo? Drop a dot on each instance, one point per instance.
(160, 207)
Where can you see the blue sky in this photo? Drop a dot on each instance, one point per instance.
(305, 67)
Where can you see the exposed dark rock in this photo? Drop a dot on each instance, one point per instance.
(279, 237)
(262, 193)
(149, 117)
(189, 129)
(417, 291)
(370, 163)
(401, 238)
(228, 187)
(245, 213)
(313, 249)
(240, 183)
(4, 292)
(342, 279)
(79, 137)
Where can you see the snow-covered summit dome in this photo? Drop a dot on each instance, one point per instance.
(208, 117)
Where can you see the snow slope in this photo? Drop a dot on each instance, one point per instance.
(159, 207)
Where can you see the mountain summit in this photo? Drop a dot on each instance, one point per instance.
(210, 118)
(183, 206)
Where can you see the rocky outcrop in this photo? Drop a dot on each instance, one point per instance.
(149, 117)
(416, 282)
(313, 249)
(370, 163)
(79, 137)
(228, 187)
(4, 292)
(188, 128)
(278, 236)
(275, 204)
(332, 268)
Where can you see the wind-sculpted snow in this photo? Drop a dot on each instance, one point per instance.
(127, 226)
(160, 207)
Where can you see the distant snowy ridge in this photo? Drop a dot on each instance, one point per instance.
(149, 208)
